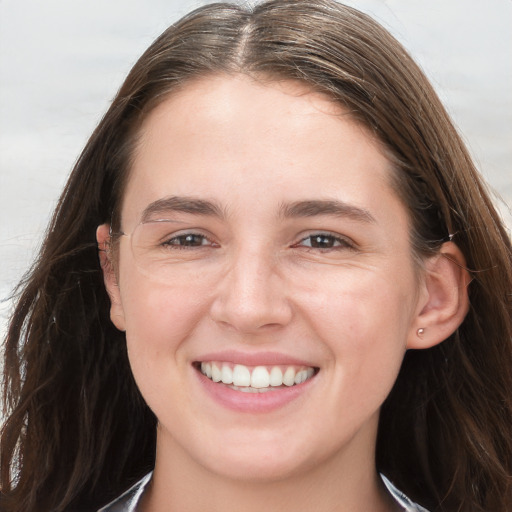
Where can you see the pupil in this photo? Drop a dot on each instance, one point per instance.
(190, 240)
(321, 241)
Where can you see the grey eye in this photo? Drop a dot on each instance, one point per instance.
(324, 241)
(188, 240)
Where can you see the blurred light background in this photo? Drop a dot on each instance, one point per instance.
(62, 61)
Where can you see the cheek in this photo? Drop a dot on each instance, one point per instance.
(363, 318)
(159, 321)
(359, 305)
(159, 318)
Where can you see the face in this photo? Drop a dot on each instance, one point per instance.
(285, 268)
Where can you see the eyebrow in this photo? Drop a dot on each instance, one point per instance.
(182, 204)
(308, 208)
(335, 208)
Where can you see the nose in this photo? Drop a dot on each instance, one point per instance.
(251, 297)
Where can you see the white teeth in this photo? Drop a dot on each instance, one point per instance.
(250, 389)
(227, 374)
(289, 376)
(260, 377)
(241, 375)
(276, 376)
(257, 379)
(216, 373)
(301, 376)
(206, 368)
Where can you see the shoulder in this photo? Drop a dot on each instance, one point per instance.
(127, 502)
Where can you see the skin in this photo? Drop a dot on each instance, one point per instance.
(257, 285)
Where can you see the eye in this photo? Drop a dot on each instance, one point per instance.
(188, 240)
(325, 241)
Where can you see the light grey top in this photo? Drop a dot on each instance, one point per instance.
(128, 501)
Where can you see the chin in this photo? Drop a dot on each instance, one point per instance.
(259, 458)
(258, 468)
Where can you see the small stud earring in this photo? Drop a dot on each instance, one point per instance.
(420, 331)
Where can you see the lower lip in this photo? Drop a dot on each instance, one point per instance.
(241, 401)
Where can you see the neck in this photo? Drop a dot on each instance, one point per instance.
(336, 484)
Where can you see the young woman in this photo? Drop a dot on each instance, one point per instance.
(274, 280)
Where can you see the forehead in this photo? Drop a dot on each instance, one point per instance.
(239, 138)
(265, 107)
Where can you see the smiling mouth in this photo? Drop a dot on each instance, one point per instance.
(255, 379)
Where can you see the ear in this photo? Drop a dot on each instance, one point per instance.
(443, 301)
(109, 276)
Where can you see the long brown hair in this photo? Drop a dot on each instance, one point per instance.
(78, 432)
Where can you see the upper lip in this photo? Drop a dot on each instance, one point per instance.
(266, 358)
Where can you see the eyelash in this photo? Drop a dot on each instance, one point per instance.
(342, 242)
(170, 242)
